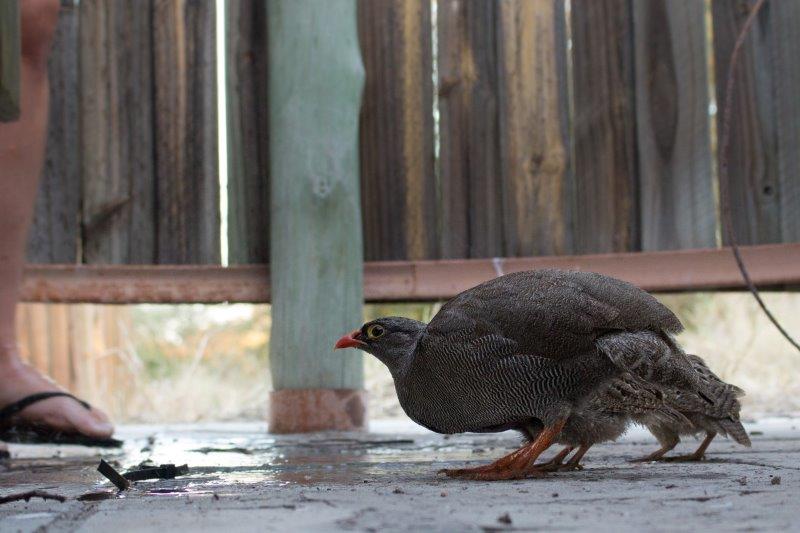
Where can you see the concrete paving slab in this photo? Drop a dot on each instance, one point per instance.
(243, 479)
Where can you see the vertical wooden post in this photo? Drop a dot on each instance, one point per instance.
(398, 187)
(763, 165)
(118, 221)
(315, 83)
(185, 134)
(672, 125)
(55, 235)
(470, 159)
(604, 127)
(9, 60)
(534, 148)
(248, 139)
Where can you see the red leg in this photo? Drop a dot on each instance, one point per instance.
(557, 461)
(516, 465)
(656, 455)
(575, 462)
(698, 455)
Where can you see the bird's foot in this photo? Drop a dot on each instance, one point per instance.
(493, 473)
(657, 455)
(558, 466)
(690, 458)
(556, 463)
(647, 459)
(569, 467)
(660, 457)
(519, 464)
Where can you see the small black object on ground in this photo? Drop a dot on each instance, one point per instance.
(167, 471)
(113, 476)
(32, 494)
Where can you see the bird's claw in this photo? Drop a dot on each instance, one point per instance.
(559, 467)
(691, 458)
(492, 474)
(645, 459)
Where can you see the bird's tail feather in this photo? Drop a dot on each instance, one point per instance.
(735, 430)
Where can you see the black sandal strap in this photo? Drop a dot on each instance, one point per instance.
(12, 409)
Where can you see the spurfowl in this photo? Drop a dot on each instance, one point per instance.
(673, 394)
(710, 407)
(607, 415)
(523, 351)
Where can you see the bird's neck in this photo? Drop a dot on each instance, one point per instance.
(401, 362)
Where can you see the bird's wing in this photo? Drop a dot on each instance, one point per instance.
(713, 397)
(551, 313)
(712, 381)
(629, 395)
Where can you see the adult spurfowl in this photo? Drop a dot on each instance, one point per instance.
(522, 351)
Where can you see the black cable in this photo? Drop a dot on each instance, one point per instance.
(724, 194)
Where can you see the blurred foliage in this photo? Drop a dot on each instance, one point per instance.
(166, 336)
(194, 363)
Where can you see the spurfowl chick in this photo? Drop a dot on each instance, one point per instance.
(607, 416)
(711, 408)
(522, 350)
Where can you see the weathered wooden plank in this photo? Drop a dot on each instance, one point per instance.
(315, 83)
(398, 186)
(785, 62)
(248, 132)
(604, 126)
(59, 344)
(10, 49)
(534, 147)
(116, 122)
(55, 234)
(469, 154)
(186, 141)
(672, 124)
(754, 185)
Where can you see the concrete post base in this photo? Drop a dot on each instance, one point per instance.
(307, 410)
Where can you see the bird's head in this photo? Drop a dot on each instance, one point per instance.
(390, 339)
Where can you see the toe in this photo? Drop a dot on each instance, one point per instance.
(92, 423)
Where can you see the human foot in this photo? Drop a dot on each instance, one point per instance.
(61, 414)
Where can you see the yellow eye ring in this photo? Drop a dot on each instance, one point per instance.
(375, 331)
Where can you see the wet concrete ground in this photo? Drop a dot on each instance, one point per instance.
(243, 479)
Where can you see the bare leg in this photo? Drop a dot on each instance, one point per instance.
(656, 455)
(557, 464)
(557, 461)
(575, 462)
(516, 465)
(698, 455)
(21, 160)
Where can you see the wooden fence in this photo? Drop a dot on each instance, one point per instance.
(132, 166)
(83, 348)
(514, 128)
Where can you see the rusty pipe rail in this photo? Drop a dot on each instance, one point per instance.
(685, 270)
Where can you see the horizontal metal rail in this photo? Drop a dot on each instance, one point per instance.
(685, 270)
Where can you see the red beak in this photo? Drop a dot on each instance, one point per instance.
(350, 341)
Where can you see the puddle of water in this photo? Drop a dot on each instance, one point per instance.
(29, 516)
(218, 458)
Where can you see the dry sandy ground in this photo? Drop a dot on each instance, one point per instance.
(242, 479)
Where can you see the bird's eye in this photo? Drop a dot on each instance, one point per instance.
(375, 331)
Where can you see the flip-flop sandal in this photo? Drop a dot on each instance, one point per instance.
(27, 433)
